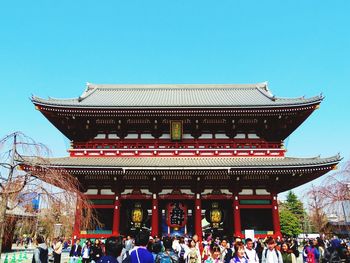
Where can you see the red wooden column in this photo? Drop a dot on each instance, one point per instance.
(236, 216)
(77, 223)
(198, 217)
(155, 216)
(116, 215)
(275, 217)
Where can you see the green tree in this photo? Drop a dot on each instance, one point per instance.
(292, 215)
(290, 224)
(294, 205)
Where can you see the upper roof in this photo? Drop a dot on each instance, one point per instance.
(177, 95)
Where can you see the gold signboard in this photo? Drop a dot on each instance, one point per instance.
(137, 215)
(176, 130)
(215, 215)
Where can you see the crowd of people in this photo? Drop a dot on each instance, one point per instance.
(146, 249)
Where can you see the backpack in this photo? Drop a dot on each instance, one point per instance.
(278, 255)
(334, 256)
(43, 255)
(229, 255)
(182, 255)
(165, 258)
(296, 252)
(310, 258)
(126, 258)
(192, 256)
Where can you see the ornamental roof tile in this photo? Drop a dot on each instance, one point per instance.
(148, 163)
(177, 96)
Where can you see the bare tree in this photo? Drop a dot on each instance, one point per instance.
(317, 207)
(25, 170)
(330, 195)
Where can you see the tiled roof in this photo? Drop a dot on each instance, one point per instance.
(177, 96)
(188, 162)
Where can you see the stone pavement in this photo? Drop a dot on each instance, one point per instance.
(21, 255)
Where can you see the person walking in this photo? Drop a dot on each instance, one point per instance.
(113, 250)
(250, 252)
(333, 253)
(85, 252)
(287, 254)
(214, 255)
(239, 255)
(140, 254)
(226, 251)
(41, 252)
(96, 251)
(311, 253)
(169, 254)
(192, 255)
(57, 250)
(181, 249)
(271, 254)
(75, 252)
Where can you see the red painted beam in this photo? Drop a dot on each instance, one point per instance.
(116, 216)
(176, 197)
(136, 197)
(100, 196)
(103, 206)
(253, 197)
(155, 217)
(198, 218)
(217, 197)
(236, 217)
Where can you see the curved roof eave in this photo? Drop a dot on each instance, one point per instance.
(295, 163)
(50, 103)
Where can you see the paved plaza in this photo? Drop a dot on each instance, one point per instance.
(20, 252)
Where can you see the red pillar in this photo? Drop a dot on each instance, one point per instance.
(236, 216)
(155, 216)
(116, 215)
(275, 217)
(198, 217)
(77, 223)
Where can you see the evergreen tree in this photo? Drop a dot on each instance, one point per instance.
(290, 225)
(292, 215)
(294, 205)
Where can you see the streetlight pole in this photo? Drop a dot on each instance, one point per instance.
(345, 219)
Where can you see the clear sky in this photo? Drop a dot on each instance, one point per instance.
(302, 48)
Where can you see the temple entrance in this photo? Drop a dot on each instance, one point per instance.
(135, 215)
(258, 219)
(217, 217)
(105, 218)
(176, 217)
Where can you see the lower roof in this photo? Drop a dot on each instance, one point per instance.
(137, 172)
(183, 163)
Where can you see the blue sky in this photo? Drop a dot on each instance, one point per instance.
(52, 48)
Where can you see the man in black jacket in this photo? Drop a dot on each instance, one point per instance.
(75, 252)
(41, 252)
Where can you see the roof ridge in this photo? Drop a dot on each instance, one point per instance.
(91, 86)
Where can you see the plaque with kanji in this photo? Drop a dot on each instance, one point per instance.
(176, 130)
(176, 215)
